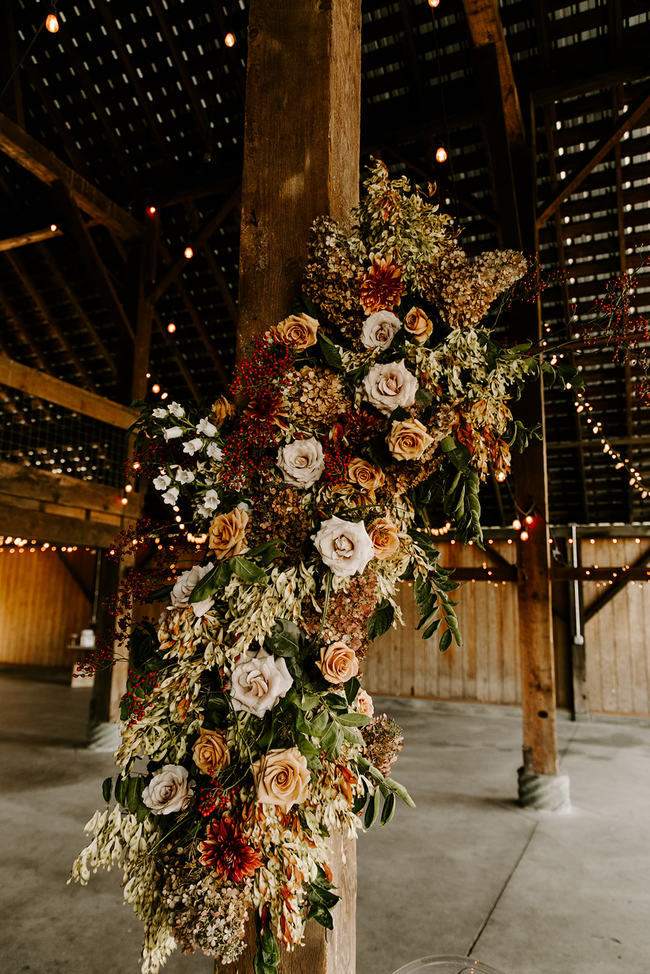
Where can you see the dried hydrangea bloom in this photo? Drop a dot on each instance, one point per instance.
(315, 396)
(281, 514)
(332, 273)
(384, 740)
(464, 288)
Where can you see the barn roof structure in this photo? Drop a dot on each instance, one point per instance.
(129, 107)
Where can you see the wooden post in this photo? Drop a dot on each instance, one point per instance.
(301, 160)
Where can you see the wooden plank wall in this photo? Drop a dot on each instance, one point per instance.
(41, 605)
(486, 667)
(617, 639)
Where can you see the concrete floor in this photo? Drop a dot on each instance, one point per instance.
(527, 892)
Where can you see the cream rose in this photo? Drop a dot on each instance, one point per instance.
(338, 662)
(388, 386)
(185, 585)
(210, 751)
(408, 440)
(227, 536)
(168, 791)
(258, 682)
(365, 705)
(299, 331)
(418, 325)
(366, 475)
(385, 538)
(301, 462)
(344, 546)
(222, 410)
(379, 329)
(282, 777)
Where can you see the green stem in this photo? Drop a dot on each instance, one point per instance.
(328, 591)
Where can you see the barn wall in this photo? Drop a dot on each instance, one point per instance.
(41, 605)
(486, 667)
(617, 639)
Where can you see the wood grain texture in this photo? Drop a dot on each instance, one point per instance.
(41, 606)
(301, 138)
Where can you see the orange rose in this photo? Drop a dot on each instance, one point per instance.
(299, 331)
(408, 440)
(366, 475)
(384, 537)
(210, 751)
(222, 410)
(338, 662)
(418, 325)
(282, 777)
(227, 535)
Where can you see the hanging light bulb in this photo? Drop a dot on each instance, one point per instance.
(151, 210)
(524, 535)
(229, 40)
(441, 154)
(52, 23)
(516, 524)
(171, 327)
(189, 253)
(155, 388)
(434, 3)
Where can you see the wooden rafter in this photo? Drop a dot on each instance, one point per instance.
(29, 237)
(625, 122)
(637, 570)
(43, 164)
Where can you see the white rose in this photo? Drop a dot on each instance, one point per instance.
(388, 386)
(169, 790)
(258, 682)
(171, 496)
(214, 452)
(192, 446)
(210, 500)
(344, 546)
(173, 433)
(185, 585)
(379, 329)
(301, 462)
(184, 476)
(206, 427)
(160, 413)
(162, 481)
(176, 409)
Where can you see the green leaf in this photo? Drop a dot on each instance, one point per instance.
(351, 690)
(284, 638)
(267, 957)
(321, 915)
(448, 444)
(320, 723)
(400, 791)
(388, 810)
(217, 578)
(332, 739)
(107, 789)
(121, 786)
(353, 720)
(423, 397)
(322, 895)
(266, 552)
(381, 619)
(372, 811)
(330, 352)
(248, 571)
(307, 701)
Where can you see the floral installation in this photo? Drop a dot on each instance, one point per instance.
(378, 405)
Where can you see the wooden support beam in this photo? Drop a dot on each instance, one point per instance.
(589, 573)
(56, 528)
(20, 485)
(637, 571)
(90, 255)
(626, 121)
(579, 80)
(30, 237)
(486, 29)
(43, 164)
(49, 389)
(301, 160)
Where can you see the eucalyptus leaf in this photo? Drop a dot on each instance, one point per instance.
(353, 720)
(381, 619)
(248, 571)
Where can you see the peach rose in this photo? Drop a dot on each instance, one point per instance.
(210, 751)
(282, 777)
(385, 538)
(366, 475)
(222, 410)
(365, 705)
(418, 326)
(338, 662)
(409, 439)
(299, 331)
(227, 535)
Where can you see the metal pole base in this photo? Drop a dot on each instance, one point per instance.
(548, 792)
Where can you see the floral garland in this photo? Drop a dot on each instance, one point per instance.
(379, 404)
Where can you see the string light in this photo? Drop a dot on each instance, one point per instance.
(621, 462)
(516, 524)
(125, 501)
(151, 210)
(188, 253)
(524, 536)
(53, 227)
(128, 488)
(441, 154)
(52, 23)
(434, 3)
(171, 327)
(229, 40)
(155, 388)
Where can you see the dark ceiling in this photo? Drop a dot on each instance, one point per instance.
(146, 102)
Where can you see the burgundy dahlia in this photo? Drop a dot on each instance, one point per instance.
(226, 851)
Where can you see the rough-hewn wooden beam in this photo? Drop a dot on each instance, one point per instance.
(589, 573)
(636, 572)
(43, 164)
(20, 483)
(485, 27)
(57, 529)
(30, 237)
(626, 121)
(46, 387)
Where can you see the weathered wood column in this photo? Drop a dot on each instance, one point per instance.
(301, 160)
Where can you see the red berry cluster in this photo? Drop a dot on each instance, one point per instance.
(135, 697)
(535, 281)
(265, 365)
(337, 458)
(213, 798)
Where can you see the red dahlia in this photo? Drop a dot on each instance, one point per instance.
(382, 286)
(226, 851)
